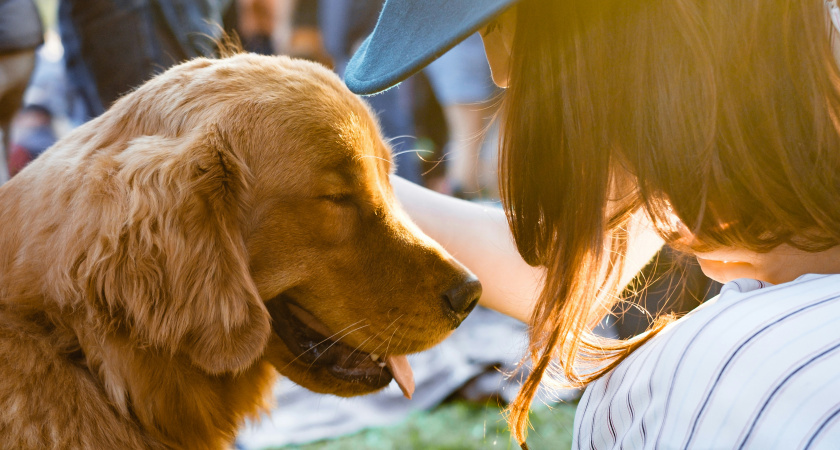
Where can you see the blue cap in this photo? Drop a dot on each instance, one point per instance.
(412, 33)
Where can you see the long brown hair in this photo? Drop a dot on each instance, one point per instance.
(722, 113)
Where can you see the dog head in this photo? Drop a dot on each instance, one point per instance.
(254, 218)
(352, 285)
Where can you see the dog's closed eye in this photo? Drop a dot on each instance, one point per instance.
(340, 198)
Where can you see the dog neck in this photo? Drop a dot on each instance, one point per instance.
(181, 406)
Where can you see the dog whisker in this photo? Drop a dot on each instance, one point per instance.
(358, 348)
(390, 339)
(378, 333)
(327, 339)
(437, 163)
(342, 330)
(387, 341)
(389, 344)
(393, 322)
(360, 157)
(394, 138)
(336, 341)
(350, 355)
(402, 335)
(416, 150)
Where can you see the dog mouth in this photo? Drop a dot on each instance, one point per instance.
(314, 344)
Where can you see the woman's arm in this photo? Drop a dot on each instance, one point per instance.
(478, 236)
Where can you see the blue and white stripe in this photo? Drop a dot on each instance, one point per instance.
(757, 367)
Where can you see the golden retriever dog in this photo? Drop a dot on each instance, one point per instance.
(228, 220)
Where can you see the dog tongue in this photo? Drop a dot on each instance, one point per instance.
(401, 370)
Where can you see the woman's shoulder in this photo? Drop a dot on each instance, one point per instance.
(748, 310)
(755, 366)
(747, 319)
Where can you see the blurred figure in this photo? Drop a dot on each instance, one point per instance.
(462, 84)
(48, 107)
(49, 87)
(304, 38)
(112, 46)
(255, 24)
(344, 24)
(34, 134)
(21, 32)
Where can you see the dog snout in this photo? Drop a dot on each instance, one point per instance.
(463, 296)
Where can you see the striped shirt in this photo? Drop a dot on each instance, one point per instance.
(757, 367)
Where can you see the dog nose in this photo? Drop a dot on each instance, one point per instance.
(464, 296)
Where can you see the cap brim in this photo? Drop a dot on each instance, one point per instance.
(411, 34)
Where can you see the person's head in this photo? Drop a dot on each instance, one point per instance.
(720, 119)
(721, 115)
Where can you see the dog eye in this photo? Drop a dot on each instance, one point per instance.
(338, 198)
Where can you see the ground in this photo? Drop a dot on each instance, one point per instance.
(461, 425)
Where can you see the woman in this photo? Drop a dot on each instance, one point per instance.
(717, 123)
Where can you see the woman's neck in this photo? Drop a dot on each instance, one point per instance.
(780, 265)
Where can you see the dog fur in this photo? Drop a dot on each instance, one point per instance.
(140, 256)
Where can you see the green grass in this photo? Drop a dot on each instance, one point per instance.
(460, 425)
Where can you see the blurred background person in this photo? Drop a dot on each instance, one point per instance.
(21, 32)
(344, 24)
(304, 38)
(255, 23)
(33, 134)
(50, 109)
(462, 85)
(113, 46)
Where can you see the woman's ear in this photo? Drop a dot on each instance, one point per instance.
(181, 268)
(498, 43)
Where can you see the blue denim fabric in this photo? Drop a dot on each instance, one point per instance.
(113, 46)
(462, 75)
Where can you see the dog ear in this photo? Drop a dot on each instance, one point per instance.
(180, 267)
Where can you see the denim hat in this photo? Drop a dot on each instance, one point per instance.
(412, 33)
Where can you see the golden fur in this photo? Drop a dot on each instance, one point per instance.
(139, 254)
